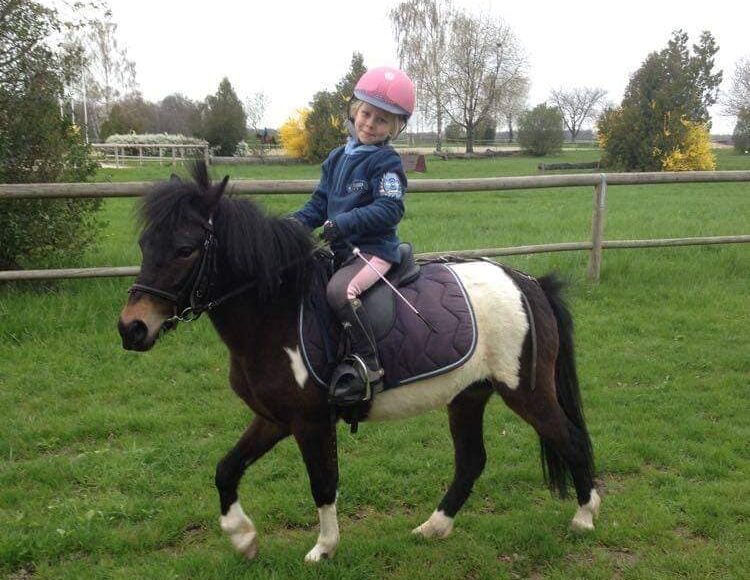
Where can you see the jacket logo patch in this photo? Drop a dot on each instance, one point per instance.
(390, 186)
(357, 186)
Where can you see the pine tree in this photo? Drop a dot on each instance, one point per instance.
(224, 119)
(667, 97)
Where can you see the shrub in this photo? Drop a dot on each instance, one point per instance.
(693, 153)
(155, 139)
(741, 134)
(39, 144)
(540, 131)
(294, 139)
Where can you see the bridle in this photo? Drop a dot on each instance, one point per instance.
(193, 299)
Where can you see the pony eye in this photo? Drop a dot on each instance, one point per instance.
(185, 251)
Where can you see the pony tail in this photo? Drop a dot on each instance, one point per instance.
(555, 467)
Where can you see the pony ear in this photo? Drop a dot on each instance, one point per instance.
(215, 193)
(222, 186)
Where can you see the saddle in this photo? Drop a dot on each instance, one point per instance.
(409, 350)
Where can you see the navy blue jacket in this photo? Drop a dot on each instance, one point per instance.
(362, 189)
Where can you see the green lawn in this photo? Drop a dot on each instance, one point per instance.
(108, 456)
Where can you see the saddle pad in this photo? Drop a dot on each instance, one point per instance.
(410, 351)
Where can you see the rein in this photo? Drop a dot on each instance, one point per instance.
(192, 299)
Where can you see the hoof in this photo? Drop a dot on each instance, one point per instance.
(246, 544)
(438, 526)
(582, 524)
(241, 531)
(583, 521)
(319, 553)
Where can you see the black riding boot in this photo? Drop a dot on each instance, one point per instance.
(358, 376)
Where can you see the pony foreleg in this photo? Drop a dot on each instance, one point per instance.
(466, 415)
(317, 442)
(257, 439)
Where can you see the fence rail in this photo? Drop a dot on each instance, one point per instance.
(600, 182)
(116, 151)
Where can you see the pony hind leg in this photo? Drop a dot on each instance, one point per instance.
(257, 439)
(466, 415)
(564, 443)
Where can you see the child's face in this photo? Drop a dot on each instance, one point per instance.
(371, 124)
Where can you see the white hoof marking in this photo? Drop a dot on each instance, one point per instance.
(583, 521)
(328, 539)
(438, 526)
(240, 530)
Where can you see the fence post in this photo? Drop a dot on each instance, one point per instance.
(206, 155)
(140, 155)
(161, 151)
(174, 158)
(597, 229)
(117, 157)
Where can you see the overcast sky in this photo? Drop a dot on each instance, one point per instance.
(290, 50)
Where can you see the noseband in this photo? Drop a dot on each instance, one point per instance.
(192, 299)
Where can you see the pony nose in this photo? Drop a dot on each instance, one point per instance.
(133, 334)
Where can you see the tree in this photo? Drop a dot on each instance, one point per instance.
(484, 62)
(454, 132)
(345, 87)
(422, 30)
(224, 119)
(738, 97)
(577, 106)
(131, 115)
(326, 122)
(324, 126)
(741, 136)
(540, 131)
(107, 72)
(486, 130)
(38, 143)
(255, 109)
(671, 90)
(512, 103)
(179, 115)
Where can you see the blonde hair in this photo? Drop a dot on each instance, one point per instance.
(395, 122)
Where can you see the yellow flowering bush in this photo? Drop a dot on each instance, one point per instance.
(694, 152)
(294, 138)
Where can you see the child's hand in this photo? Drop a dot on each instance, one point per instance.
(331, 231)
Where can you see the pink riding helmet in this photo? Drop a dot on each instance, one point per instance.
(387, 88)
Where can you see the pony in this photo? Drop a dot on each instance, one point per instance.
(204, 251)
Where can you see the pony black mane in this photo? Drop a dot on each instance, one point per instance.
(274, 252)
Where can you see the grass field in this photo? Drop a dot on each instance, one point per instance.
(108, 456)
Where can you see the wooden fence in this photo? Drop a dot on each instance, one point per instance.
(595, 245)
(157, 152)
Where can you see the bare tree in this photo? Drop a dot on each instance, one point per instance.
(577, 106)
(108, 73)
(738, 97)
(485, 61)
(512, 103)
(255, 109)
(422, 29)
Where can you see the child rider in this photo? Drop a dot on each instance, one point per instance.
(360, 201)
